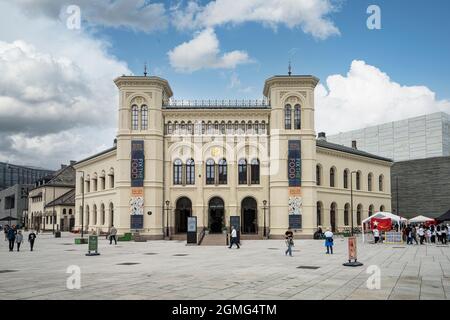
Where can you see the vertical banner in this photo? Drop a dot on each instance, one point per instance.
(137, 185)
(295, 182)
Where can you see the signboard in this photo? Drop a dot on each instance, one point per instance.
(93, 243)
(352, 248)
(294, 163)
(136, 222)
(393, 237)
(295, 221)
(137, 163)
(192, 230)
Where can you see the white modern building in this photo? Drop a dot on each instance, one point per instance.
(414, 138)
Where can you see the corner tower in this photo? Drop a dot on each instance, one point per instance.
(140, 154)
(293, 192)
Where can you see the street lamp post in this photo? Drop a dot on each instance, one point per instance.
(53, 211)
(264, 210)
(82, 206)
(351, 197)
(167, 217)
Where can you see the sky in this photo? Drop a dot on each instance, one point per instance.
(58, 101)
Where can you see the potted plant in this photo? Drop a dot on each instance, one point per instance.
(224, 229)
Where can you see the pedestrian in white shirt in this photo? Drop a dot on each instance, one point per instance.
(421, 234)
(376, 234)
(234, 239)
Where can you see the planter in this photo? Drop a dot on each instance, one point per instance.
(81, 240)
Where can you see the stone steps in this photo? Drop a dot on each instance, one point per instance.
(213, 239)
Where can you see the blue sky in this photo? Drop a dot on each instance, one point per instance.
(59, 79)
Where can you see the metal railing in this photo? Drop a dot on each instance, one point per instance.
(218, 104)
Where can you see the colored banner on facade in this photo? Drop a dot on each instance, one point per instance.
(295, 221)
(294, 163)
(137, 163)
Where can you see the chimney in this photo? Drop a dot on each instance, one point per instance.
(72, 162)
(322, 136)
(354, 144)
(115, 143)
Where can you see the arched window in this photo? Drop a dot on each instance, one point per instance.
(369, 182)
(102, 214)
(346, 179)
(95, 215)
(144, 117)
(242, 169)
(190, 171)
(287, 117)
(380, 182)
(319, 213)
(203, 127)
(222, 171)
(254, 171)
(242, 127)
(263, 127)
(210, 127)
(169, 127)
(210, 171)
(70, 212)
(216, 127)
(332, 175)
(346, 214)
(318, 175)
(236, 127)
(358, 214)
(256, 127)
(134, 117)
(229, 127)
(297, 117)
(177, 172)
(358, 180)
(64, 212)
(370, 210)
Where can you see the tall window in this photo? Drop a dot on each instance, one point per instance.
(318, 174)
(380, 182)
(242, 168)
(287, 117)
(346, 210)
(358, 214)
(358, 180)
(332, 174)
(222, 171)
(111, 180)
(297, 117)
(144, 117)
(345, 179)
(319, 213)
(177, 172)
(190, 171)
(210, 173)
(371, 210)
(254, 171)
(134, 117)
(369, 182)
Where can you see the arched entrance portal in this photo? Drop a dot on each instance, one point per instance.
(216, 211)
(182, 212)
(249, 215)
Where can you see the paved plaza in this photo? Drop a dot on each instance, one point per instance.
(259, 270)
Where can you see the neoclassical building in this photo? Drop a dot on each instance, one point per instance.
(258, 160)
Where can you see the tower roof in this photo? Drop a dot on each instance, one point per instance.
(289, 80)
(144, 81)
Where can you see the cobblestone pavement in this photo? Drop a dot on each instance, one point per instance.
(259, 270)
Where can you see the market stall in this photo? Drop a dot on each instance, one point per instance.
(382, 217)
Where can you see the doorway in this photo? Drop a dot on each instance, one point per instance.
(216, 211)
(182, 212)
(249, 215)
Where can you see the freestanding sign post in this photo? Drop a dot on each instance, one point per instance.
(191, 230)
(93, 246)
(352, 254)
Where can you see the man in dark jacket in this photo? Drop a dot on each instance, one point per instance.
(11, 238)
(31, 238)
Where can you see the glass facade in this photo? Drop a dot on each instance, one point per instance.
(11, 174)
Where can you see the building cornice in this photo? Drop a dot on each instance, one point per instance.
(140, 81)
(307, 81)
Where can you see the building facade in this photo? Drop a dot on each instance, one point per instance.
(49, 200)
(256, 162)
(11, 174)
(13, 203)
(421, 137)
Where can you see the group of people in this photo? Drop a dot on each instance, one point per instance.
(426, 234)
(328, 236)
(15, 237)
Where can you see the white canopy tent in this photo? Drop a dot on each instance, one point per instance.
(420, 219)
(383, 215)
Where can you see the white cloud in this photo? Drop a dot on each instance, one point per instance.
(309, 15)
(367, 96)
(203, 52)
(138, 15)
(57, 96)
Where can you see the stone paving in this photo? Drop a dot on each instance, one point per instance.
(259, 270)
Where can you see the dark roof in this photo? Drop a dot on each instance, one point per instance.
(96, 155)
(338, 147)
(444, 217)
(67, 199)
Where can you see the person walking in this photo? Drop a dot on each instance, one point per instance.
(233, 238)
(31, 238)
(289, 242)
(433, 234)
(112, 235)
(329, 241)
(421, 234)
(439, 234)
(11, 238)
(444, 234)
(414, 234)
(376, 234)
(19, 240)
(428, 235)
(408, 232)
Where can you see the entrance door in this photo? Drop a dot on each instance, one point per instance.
(182, 212)
(71, 223)
(216, 210)
(333, 217)
(249, 215)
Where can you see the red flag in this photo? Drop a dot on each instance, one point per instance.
(383, 224)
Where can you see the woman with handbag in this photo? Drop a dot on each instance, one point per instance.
(329, 241)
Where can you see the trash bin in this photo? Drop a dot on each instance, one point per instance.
(57, 234)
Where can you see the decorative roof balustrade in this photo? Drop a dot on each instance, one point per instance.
(217, 104)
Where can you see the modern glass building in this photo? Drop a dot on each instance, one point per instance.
(11, 174)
